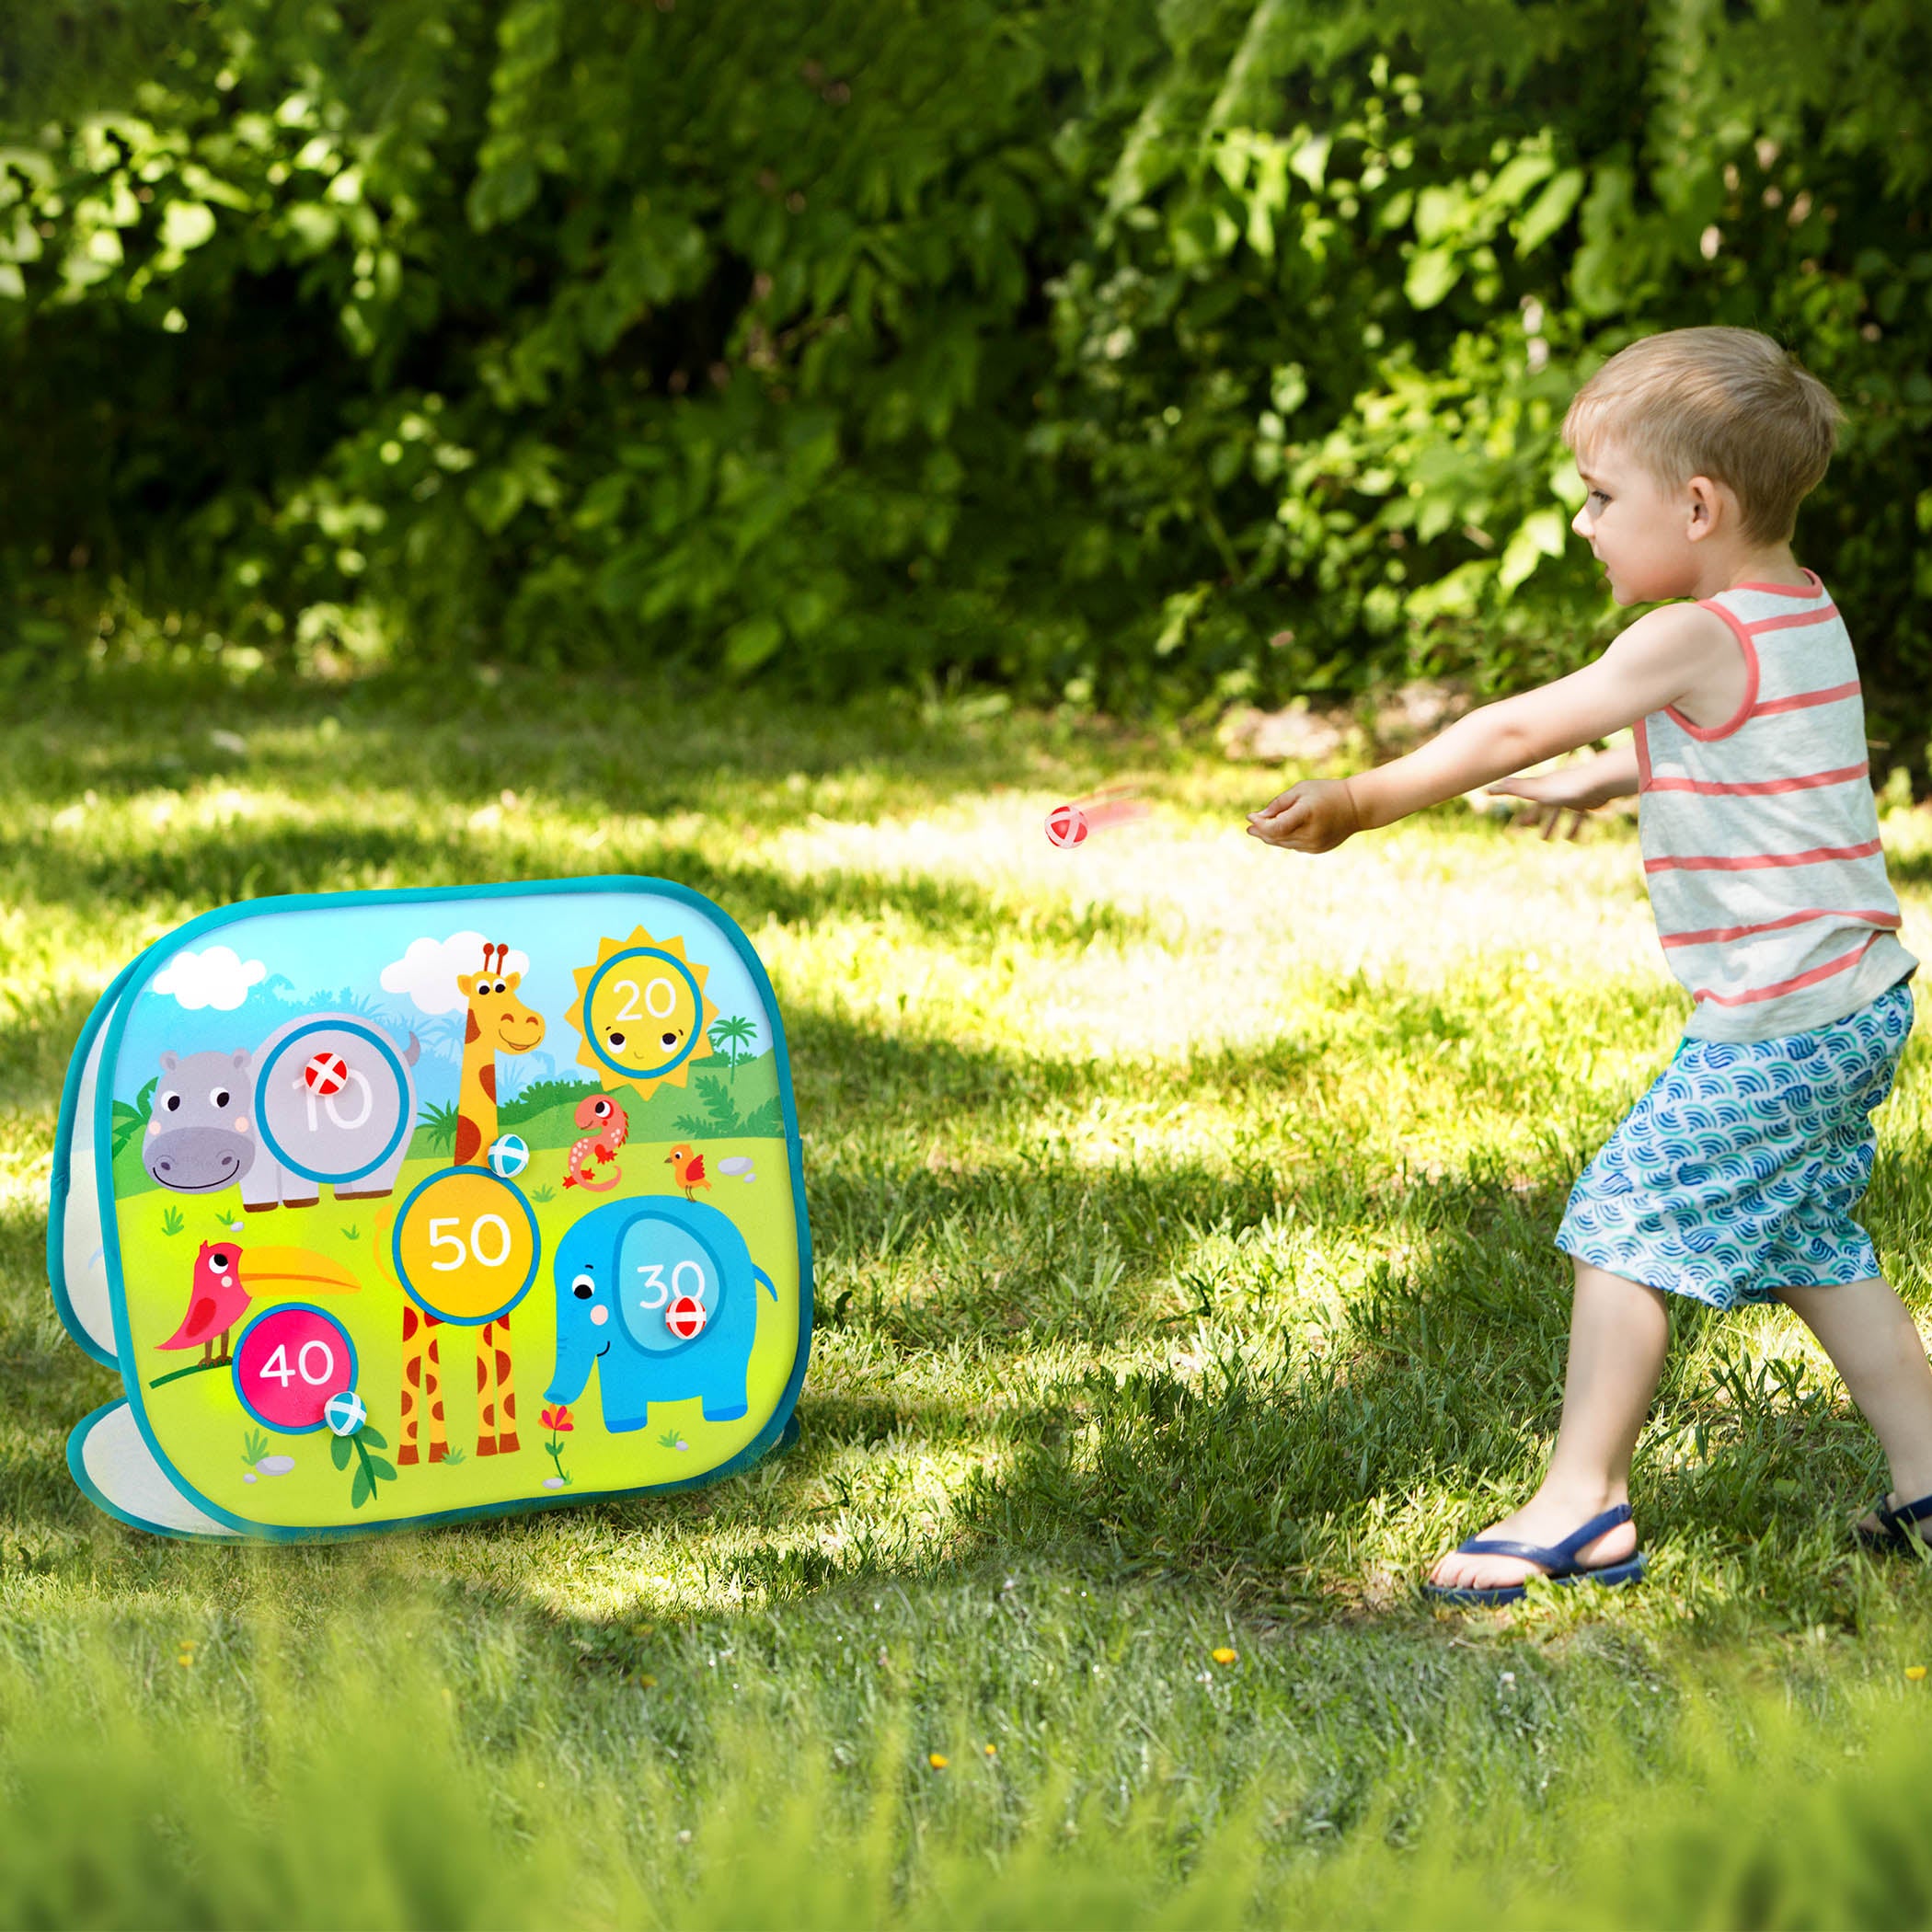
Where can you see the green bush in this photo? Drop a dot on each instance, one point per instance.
(1129, 351)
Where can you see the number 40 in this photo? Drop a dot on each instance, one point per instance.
(276, 1368)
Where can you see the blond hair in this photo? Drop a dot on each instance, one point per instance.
(1724, 403)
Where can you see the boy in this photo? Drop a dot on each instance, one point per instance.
(1733, 1178)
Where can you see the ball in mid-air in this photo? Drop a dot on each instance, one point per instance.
(1066, 825)
(326, 1073)
(509, 1154)
(345, 1413)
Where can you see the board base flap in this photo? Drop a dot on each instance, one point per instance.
(111, 1461)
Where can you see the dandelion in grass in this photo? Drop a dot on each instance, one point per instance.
(937, 1760)
(186, 1658)
(992, 1750)
(557, 1422)
(1914, 1673)
(1224, 1655)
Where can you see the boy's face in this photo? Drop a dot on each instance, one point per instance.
(1642, 531)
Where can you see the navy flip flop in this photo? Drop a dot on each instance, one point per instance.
(1558, 1561)
(1896, 1531)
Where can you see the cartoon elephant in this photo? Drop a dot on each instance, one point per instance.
(660, 1296)
(324, 1097)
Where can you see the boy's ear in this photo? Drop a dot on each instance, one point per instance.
(1710, 504)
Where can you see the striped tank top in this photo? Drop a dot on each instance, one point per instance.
(1761, 835)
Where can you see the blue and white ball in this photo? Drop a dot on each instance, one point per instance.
(345, 1413)
(509, 1154)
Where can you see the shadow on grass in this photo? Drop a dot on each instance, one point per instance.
(604, 744)
(1240, 1445)
(36, 1038)
(1278, 1470)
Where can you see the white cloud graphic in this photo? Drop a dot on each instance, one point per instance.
(427, 972)
(216, 978)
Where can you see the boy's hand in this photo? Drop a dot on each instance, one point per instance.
(1315, 816)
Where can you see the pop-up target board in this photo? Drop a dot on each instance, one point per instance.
(394, 1208)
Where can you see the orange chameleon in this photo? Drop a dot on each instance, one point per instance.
(687, 1168)
(611, 1125)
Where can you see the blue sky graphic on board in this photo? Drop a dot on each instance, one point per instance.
(396, 966)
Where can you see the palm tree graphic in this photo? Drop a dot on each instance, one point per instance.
(732, 1037)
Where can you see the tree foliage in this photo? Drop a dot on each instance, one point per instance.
(1202, 348)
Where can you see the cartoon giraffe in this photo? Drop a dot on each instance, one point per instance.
(498, 1022)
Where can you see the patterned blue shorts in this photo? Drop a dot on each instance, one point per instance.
(1735, 1176)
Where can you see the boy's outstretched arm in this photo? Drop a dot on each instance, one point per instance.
(1656, 663)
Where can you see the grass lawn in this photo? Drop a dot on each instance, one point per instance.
(1183, 1214)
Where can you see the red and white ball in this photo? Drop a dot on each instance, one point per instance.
(686, 1317)
(1066, 825)
(326, 1073)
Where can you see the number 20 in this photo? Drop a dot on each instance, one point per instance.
(652, 992)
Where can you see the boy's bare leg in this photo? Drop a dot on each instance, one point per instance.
(1619, 1331)
(1874, 1345)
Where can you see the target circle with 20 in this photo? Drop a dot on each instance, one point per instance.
(465, 1247)
(642, 1013)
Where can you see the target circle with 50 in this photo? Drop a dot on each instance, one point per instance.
(465, 1247)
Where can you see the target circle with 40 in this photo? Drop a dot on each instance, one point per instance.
(288, 1362)
(465, 1247)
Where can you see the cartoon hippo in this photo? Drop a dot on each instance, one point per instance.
(325, 1097)
(199, 1139)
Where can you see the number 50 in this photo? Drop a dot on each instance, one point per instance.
(453, 1246)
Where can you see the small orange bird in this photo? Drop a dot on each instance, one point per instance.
(687, 1168)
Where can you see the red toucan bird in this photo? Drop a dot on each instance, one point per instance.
(687, 1168)
(226, 1278)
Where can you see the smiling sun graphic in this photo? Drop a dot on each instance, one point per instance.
(642, 1011)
